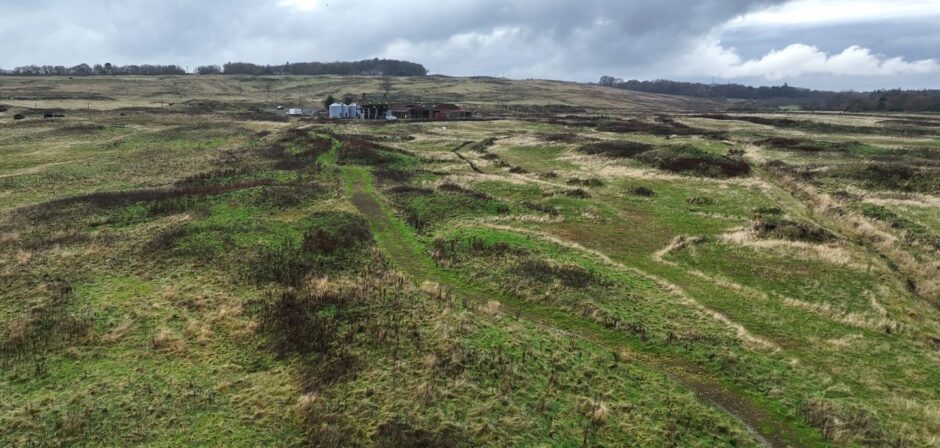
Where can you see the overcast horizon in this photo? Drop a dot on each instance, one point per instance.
(831, 45)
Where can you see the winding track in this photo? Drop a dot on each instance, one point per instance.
(407, 253)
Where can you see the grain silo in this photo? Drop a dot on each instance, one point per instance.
(336, 110)
(353, 111)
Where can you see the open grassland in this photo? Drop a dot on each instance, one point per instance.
(180, 94)
(588, 275)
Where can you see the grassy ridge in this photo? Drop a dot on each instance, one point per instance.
(236, 280)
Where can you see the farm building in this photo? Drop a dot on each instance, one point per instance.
(438, 112)
(395, 111)
(374, 111)
(342, 111)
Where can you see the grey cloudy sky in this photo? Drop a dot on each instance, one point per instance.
(833, 44)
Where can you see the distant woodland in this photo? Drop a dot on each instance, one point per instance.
(95, 70)
(377, 67)
(876, 101)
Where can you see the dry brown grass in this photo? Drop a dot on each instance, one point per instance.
(118, 332)
(678, 243)
(198, 331)
(491, 308)
(833, 253)
(165, 340)
(853, 319)
(846, 341)
(684, 299)
(306, 402)
(927, 410)
(535, 219)
(877, 235)
(435, 290)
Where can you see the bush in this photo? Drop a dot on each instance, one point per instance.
(400, 434)
(798, 144)
(332, 241)
(912, 230)
(768, 211)
(483, 144)
(47, 326)
(541, 271)
(691, 160)
(577, 193)
(560, 137)
(621, 149)
(793, 231)
(450, 249)
(539, 207)
(846, 424)
(664, 126)
(302, 323)
(890, 176)
(589, 182)
(700, 200)
(331, 232)
(642, 191)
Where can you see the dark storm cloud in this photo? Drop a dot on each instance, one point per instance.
(586, 32)
(563, 39)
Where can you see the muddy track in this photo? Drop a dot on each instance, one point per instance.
(403, 249)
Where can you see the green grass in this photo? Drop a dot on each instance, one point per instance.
(537, 158)
(454, 307)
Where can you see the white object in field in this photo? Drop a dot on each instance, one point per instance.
(444, 128)
(353, 111)
(390, 116)
(295, 112)
(336, 110)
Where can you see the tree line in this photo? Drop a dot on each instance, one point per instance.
(374, 67)
(880, 100)
(95, 70)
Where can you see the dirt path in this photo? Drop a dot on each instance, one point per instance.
(403, 247)
(473, 166)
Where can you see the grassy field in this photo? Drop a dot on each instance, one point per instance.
(592, 267)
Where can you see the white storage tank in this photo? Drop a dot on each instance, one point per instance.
(345, 110)
(353, 110)
(336, 110)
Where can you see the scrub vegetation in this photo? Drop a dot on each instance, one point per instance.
(213, 274)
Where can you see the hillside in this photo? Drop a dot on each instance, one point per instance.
(486, 94)
(577, 272)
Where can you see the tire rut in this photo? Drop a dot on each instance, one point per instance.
(766, 430)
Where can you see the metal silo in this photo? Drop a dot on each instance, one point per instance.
(336, 110)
